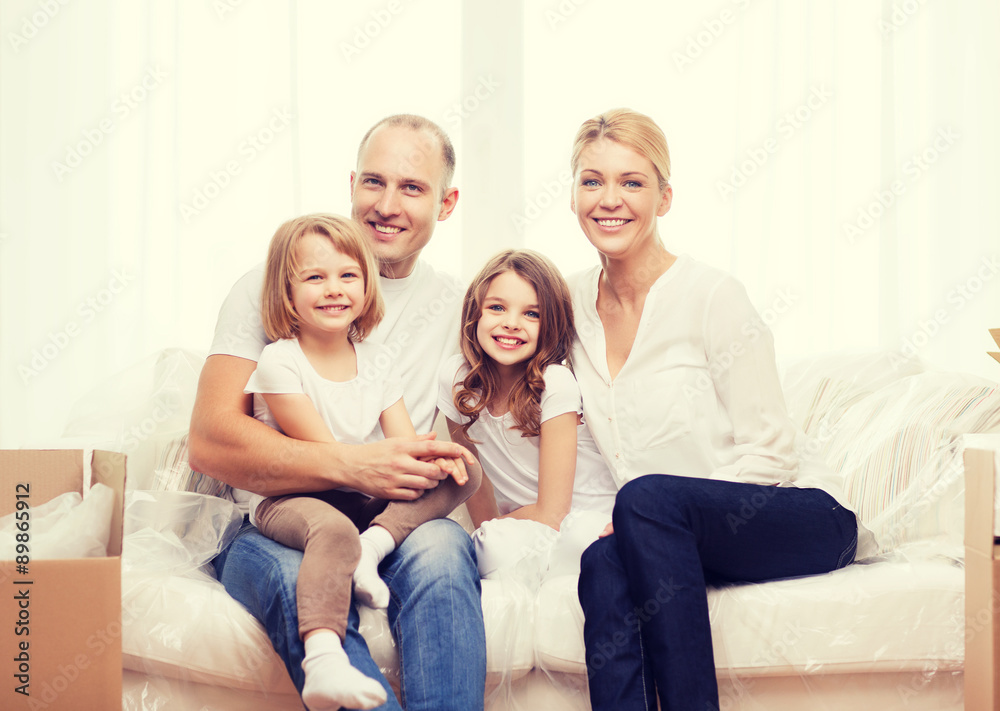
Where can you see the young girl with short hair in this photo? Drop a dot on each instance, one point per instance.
(509, 397)
(320, 380)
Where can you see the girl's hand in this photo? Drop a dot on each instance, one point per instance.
(454, 468)
(608, 530)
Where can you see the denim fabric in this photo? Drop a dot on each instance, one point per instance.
(643, 588)
(435, 612)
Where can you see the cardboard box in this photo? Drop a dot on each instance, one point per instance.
(982, 585)
(60, 645)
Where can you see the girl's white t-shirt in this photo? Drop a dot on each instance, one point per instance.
(351, 409)
(511, 461)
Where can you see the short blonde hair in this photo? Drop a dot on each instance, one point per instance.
(629, 128)
(347, 237)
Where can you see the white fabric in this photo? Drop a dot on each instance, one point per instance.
(699, 394)
(350, 409)
(511, 461)
(848, 620)
(419, 330)
(66, 526)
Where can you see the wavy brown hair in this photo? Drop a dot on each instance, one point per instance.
(555, 336)
(345, 236)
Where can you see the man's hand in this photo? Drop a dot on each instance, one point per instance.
(403, 468)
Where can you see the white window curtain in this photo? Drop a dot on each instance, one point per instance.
(149, 150)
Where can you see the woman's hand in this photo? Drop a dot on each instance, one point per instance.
(608, 530)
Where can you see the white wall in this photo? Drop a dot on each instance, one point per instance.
(305, 79)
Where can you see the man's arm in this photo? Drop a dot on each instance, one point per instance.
(227, 443)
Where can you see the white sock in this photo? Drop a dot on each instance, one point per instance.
(376, 544)
(331, 681)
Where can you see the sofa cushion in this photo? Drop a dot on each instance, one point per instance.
(858, 618)
(898, 450)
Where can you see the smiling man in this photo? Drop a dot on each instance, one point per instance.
(400, 190)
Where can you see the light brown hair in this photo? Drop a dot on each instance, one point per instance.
(345, 236)
(555, 336)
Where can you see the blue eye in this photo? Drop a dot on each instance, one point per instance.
(589, 183)
(633, 184)
(495, 307)
(532, 314)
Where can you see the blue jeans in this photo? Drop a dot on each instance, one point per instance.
(435, 612)
(643, 588)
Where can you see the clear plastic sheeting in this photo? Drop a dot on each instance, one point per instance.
(184, 639)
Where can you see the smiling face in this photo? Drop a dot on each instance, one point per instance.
(397, 194)
(509, 322)
(327, 289)
(617, 198)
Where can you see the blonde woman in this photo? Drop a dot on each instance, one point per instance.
(681, 392)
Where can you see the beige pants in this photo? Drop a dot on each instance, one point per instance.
(325, 526)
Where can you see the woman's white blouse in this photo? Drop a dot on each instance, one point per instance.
(699, 394)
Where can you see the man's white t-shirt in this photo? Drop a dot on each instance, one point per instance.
(511, 461)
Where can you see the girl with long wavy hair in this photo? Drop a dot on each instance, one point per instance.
(510, 398)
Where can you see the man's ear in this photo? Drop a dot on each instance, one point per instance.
(353, 174)
(448, 204)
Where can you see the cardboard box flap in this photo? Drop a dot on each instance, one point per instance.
(108, 468)
(51, 472)
(47, 473)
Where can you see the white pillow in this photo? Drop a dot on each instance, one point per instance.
(67, 526)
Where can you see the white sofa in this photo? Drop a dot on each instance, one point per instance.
(885, 633)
